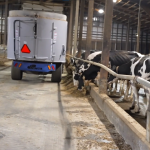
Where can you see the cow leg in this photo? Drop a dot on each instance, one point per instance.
(97, 78)
(121, 87)
(110, 88)
(130, 97)
(147, 92)
(110, 85)
(127, 90)
(135, 97)
(116, 83)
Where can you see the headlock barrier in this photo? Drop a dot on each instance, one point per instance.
(140, 140)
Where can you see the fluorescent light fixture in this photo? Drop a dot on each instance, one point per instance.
(85, 18)
(95, 18)
(101, 11)
(114, 1)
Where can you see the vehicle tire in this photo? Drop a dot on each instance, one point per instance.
(56, 75)
(16, 73)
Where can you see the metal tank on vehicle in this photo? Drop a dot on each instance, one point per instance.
(36, 43)
(36, 36)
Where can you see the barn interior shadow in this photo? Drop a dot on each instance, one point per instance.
(64, 122)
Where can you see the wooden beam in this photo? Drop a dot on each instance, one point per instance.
(106, 45)
(6, 14)
(2, 9)
(89, 27)
(138, 27)
(76, 28)
(70, 30)
(81, 27)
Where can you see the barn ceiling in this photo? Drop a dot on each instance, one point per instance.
(128, 10)
(124, 10)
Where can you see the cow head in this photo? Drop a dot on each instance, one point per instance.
(83, 67)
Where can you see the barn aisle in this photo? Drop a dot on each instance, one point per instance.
(36, 114)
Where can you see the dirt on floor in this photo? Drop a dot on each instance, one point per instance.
(91, 128)
(5, 62)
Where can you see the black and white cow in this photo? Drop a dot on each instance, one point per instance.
(90, 72)
(139, 66)
(77, 63)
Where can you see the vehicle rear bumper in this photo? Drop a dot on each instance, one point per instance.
(34, 66)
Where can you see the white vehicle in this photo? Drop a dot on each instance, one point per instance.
(36, 43)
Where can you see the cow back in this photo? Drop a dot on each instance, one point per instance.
(119, 57)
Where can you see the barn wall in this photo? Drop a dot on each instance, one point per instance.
(118, 36)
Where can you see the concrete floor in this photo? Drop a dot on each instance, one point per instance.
(31, 114)
(36, 114)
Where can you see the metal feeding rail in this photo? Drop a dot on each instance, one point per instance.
(126, 77)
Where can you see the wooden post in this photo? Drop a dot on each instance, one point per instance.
(106, 45)
(70, 30)
(2, 9)
(138, 27)
(5, 32)
(89, 27)
(81, 27)
(76, 28)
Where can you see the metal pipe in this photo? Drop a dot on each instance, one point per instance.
(138, 27)
(81, 27)
(5, 32)
(76, 28)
